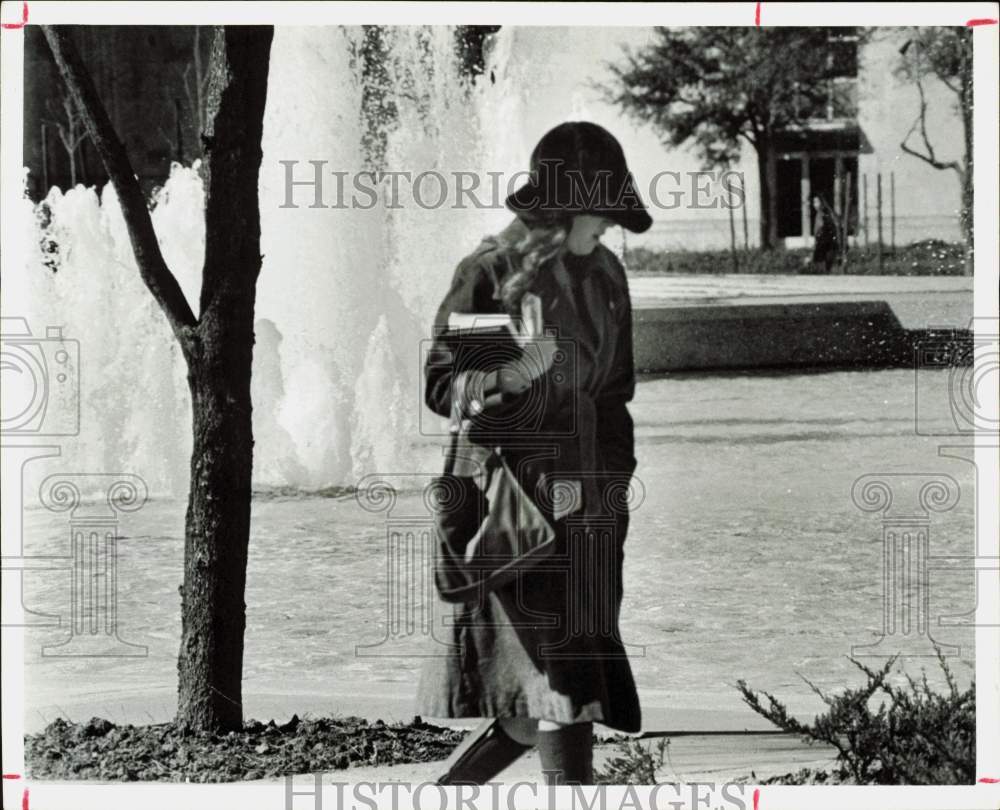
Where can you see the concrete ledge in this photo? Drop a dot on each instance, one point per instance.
(700, 337)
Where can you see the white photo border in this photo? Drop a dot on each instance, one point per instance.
(271, 795)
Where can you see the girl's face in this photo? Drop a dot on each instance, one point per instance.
(586, 232)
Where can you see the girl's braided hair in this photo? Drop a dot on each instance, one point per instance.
(525, 257)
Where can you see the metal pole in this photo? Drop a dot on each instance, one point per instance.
(878, 205)
(845, 221)
(838, 185)
(805, 198)
(746, 233)
(864, 191)
(892, 210)
(732, 232)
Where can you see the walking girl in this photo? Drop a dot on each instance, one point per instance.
(534, 646)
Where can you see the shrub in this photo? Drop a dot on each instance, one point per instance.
(912, 736)
(714, 262)
(635, 763)
(931, 257)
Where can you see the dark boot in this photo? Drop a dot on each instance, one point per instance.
(481, 756)
(567, 754)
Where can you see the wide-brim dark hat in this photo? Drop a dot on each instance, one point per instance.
(579, 168)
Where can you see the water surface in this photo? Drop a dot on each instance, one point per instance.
(747, 558)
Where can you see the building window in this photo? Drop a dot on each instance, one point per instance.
(835, 98)
(843, 99)
(842, 82)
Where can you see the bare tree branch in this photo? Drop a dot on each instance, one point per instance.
(196, 84)
(947, 83)
(152, 266)
(921, 120)
(70, 129)
(70, 132)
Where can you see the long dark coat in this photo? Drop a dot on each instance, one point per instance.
(547, 645)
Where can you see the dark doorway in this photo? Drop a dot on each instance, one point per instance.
(822, 172)
(835, 192)
(789, 175)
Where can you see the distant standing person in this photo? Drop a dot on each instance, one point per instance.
(827, 240)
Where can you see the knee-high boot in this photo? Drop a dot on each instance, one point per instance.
(481, 756)
(567, 754)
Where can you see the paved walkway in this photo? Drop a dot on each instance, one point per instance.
(690, 758)
(703, 759)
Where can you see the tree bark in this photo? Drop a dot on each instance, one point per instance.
(217, 530)
(218, 348)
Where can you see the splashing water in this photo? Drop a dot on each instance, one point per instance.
(347, 292)
(134, 411)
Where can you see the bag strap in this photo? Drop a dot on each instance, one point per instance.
(454, 428)
(454, 432)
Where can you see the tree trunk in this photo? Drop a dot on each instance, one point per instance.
(965, 96)
(966, 220)
(217, 530)
(768, 177)
(218, 348)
